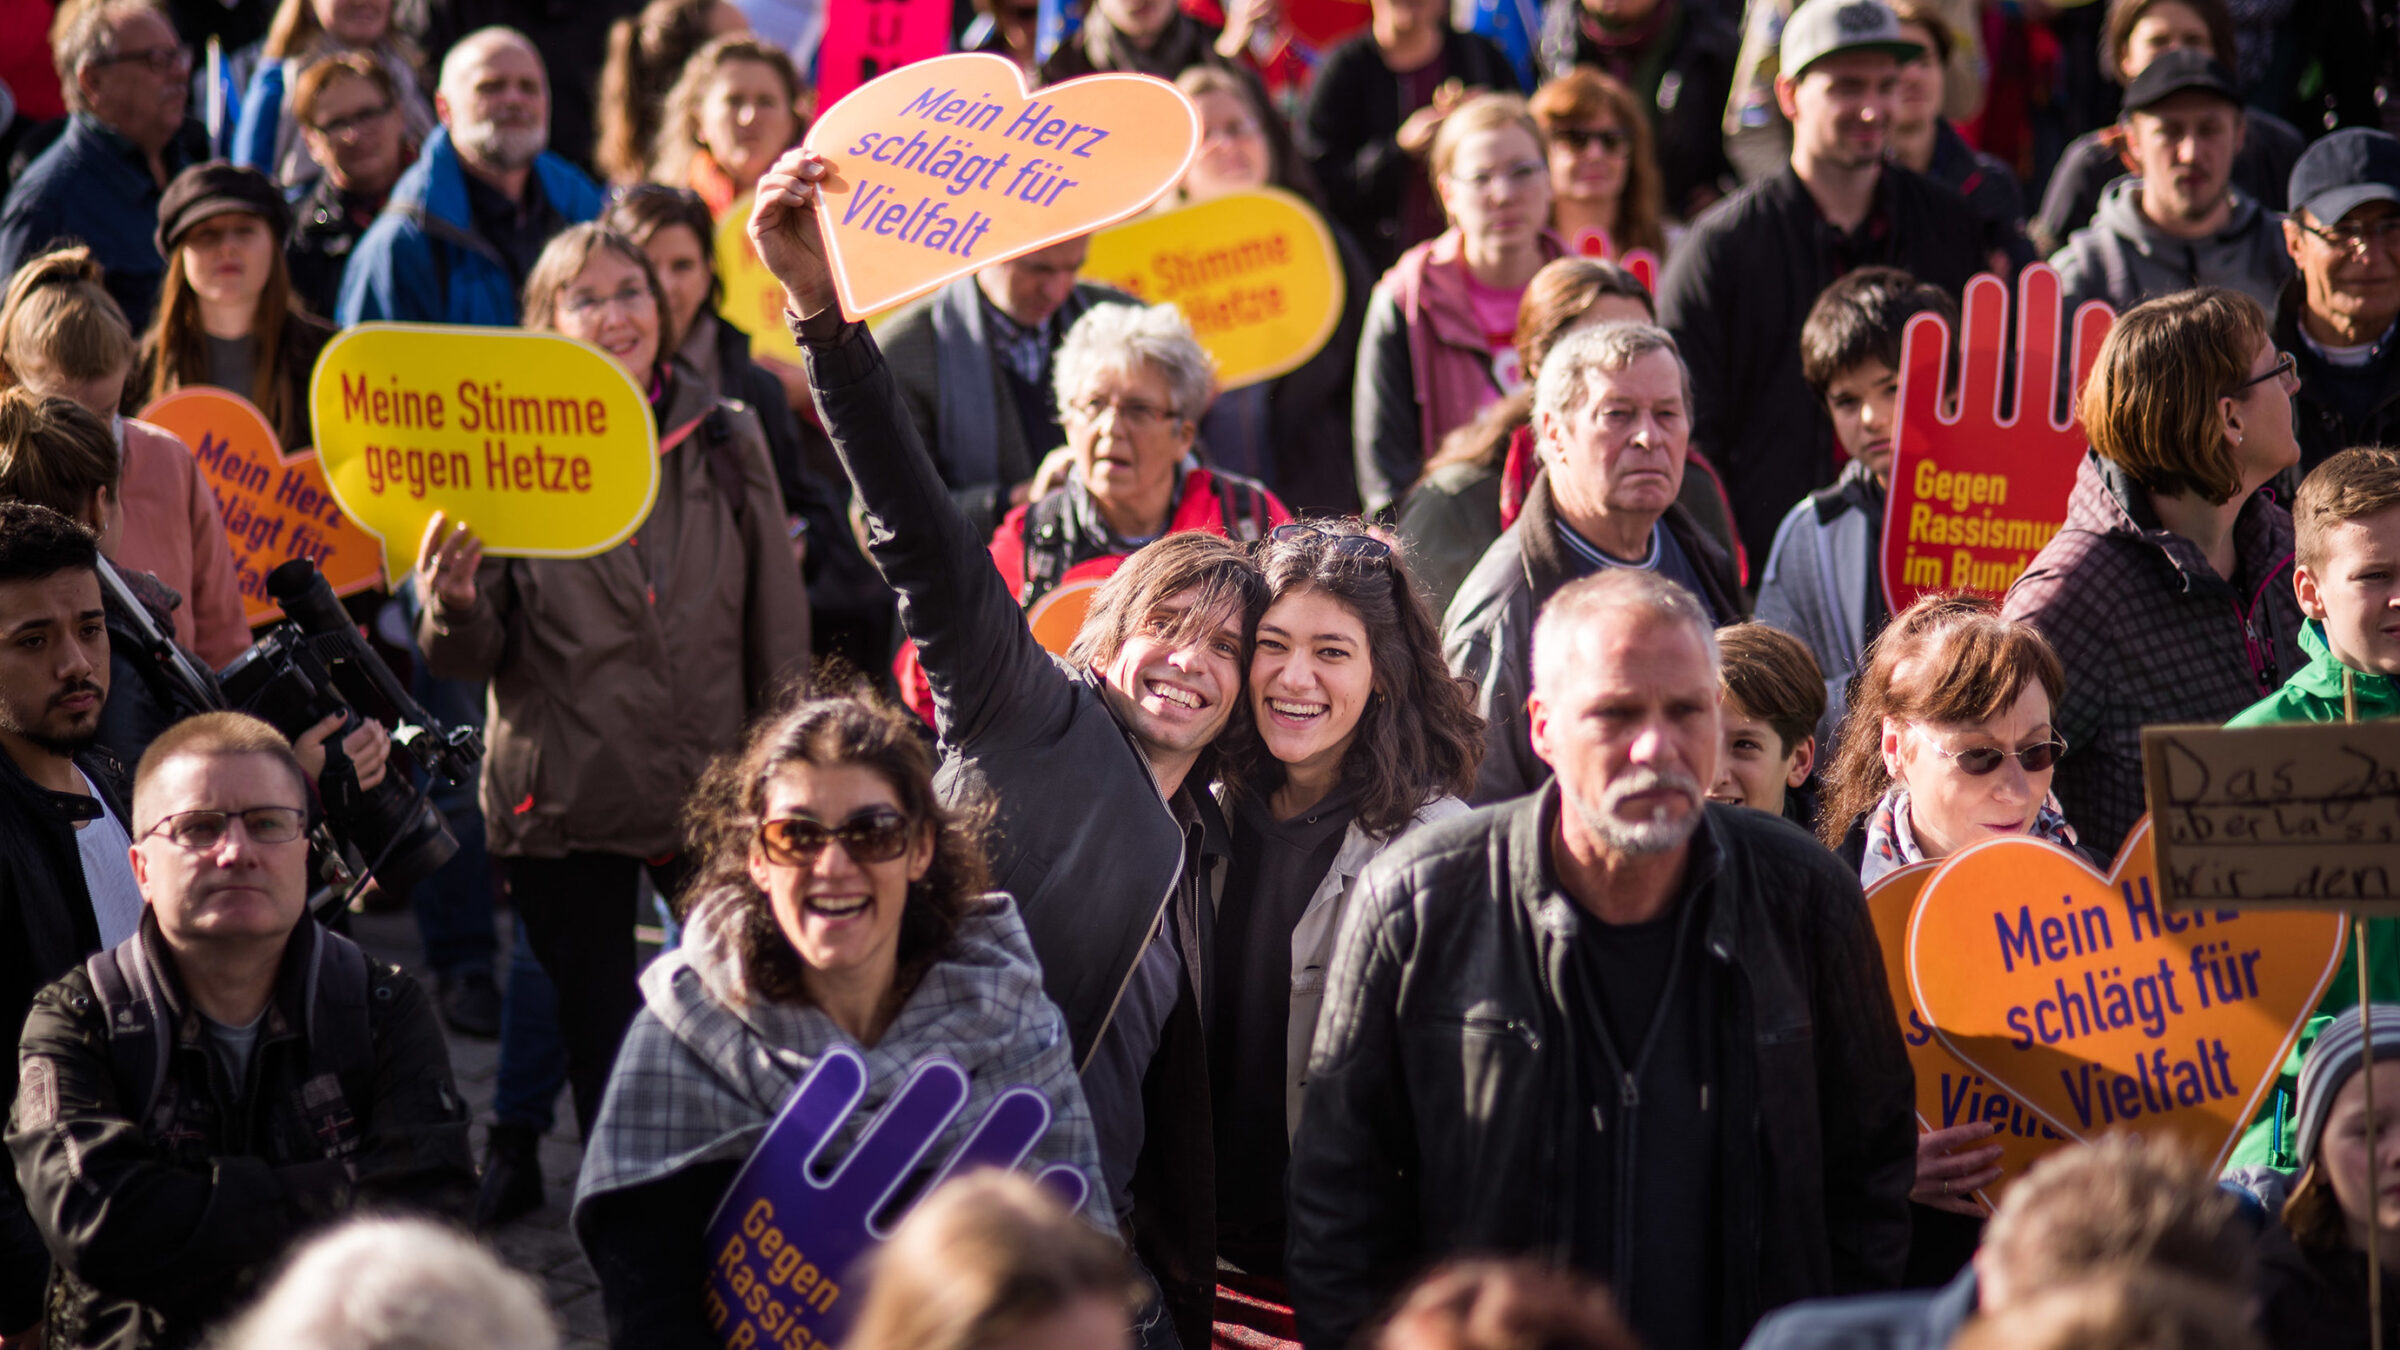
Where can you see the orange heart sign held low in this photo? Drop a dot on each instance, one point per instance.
(1948, 1091)
(276, 506)
(944, 167)
(2104, 1009)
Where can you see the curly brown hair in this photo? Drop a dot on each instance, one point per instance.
(1419, 736)
(1984, 663)
(722, 820)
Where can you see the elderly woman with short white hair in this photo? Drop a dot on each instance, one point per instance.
(1132, 384)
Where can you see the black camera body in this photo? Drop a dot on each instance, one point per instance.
(314, 665)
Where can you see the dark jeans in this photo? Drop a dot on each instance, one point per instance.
(579, 913)
(533, 1060)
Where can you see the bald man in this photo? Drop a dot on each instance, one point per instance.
(467, 220)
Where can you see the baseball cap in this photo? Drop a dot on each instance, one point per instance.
(2344, 171)
(2179, 72)
(215, 189)
(1820, 28)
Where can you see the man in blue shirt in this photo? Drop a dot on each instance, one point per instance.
(126, 77)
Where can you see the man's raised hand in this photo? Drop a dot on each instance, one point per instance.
(785, 234)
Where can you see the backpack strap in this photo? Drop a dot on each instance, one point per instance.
(1047, 555)
(341, 1041)
(134, 1016)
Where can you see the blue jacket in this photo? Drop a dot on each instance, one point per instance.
(1910, 1319)
(93, 185)
(422, 260)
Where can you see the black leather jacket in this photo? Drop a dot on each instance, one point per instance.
(1442, 1101)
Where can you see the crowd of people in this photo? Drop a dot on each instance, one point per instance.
(1514, 678)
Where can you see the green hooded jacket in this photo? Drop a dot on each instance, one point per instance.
(2315, 694)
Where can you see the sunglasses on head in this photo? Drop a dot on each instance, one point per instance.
(877, 834)
(1984, 759)
(1361, 546)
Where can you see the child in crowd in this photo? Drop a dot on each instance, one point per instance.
(1773, 697)
(1822, 582)
(2346, 574)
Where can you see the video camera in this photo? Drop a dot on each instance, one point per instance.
(307, 668)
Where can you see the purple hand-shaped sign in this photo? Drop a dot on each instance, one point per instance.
(785, 1241)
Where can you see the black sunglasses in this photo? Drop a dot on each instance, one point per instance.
(1984, 759)
(1365, 547)
(877, 834)
(1577, 140)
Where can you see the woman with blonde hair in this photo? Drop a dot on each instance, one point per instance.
(992, 1261)
(1440, 339)
(732, 111)
(1604, 179)
(61, 334)
(267, 137)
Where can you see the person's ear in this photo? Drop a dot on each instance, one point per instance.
(1546, 444)
(2308, 592)
(1787, 97)
(1802, 763)
(920, 854)
(2291, 238)
(1892, 731)
(1537, 727)
(441, 107)
(759, 873)
(2229, 419)
(141, 866)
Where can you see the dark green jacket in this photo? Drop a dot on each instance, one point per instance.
(2315, 694)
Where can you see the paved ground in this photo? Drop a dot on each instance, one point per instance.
(539, 1243)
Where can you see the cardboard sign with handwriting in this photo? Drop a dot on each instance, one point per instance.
(542, 443)
(2100, 1006)
(276, 507)
(2301, 815)
(1949, 1092)
(1255, 273)
(944, 167)
(1976, 494)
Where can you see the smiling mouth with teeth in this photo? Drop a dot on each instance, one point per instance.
(1176, 696)
(839, 910)
(1291, 709)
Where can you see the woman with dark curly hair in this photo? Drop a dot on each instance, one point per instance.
(838, 903)
(1360, 735)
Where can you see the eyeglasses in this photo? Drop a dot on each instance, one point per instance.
(2384, 233)
(338, 127)
(1242, 130)
(1365, 547)
(629, 299)
(1983, 759)
(1577, 140)
(877, 834)
(201, 831)
(160, 60)
(1513, 178)
(2285, 364)
(1135, 414)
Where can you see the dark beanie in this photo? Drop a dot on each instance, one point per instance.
(215, 189)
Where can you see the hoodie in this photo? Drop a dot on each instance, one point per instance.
(2124, 259)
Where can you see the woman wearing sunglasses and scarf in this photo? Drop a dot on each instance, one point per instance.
(1359, 735)
(1948, 743)
(838, 904)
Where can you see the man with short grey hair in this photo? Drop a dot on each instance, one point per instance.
(467, 220)
(126, 78)
(1612, 418)
(1609, 1023)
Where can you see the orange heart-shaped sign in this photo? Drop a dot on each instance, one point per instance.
(1949, 1092)
(276, 507)
(2100, 1007)
(944, 167)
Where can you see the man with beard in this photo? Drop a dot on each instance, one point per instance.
(467, 220)
(66, 888)
(2178, 222)
(1608, 1023)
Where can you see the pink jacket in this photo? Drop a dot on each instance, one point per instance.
(1446, 354)
(172, 530)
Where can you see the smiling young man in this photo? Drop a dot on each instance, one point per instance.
(1608, 1023)
(1107, 835)
(2179, 221)
(231, 1075)
(1738, 288)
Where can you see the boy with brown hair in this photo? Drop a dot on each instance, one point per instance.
(1772, 696)
(2346, 575)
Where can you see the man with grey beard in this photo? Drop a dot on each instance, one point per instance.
(1608, 1023)
(467, 220)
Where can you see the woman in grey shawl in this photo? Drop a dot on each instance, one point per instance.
(839, 905)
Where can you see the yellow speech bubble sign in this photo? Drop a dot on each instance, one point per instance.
(752, 298)
(542, 443)
(1256, 274)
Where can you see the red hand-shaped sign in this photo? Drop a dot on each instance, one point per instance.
(1974, 495)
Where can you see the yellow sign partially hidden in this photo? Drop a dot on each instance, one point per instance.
(753, 298)
(1256, 274)
(542, 443)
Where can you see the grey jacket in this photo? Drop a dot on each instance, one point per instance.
(1819, 584)
(1487, 637)
(2124, 259)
